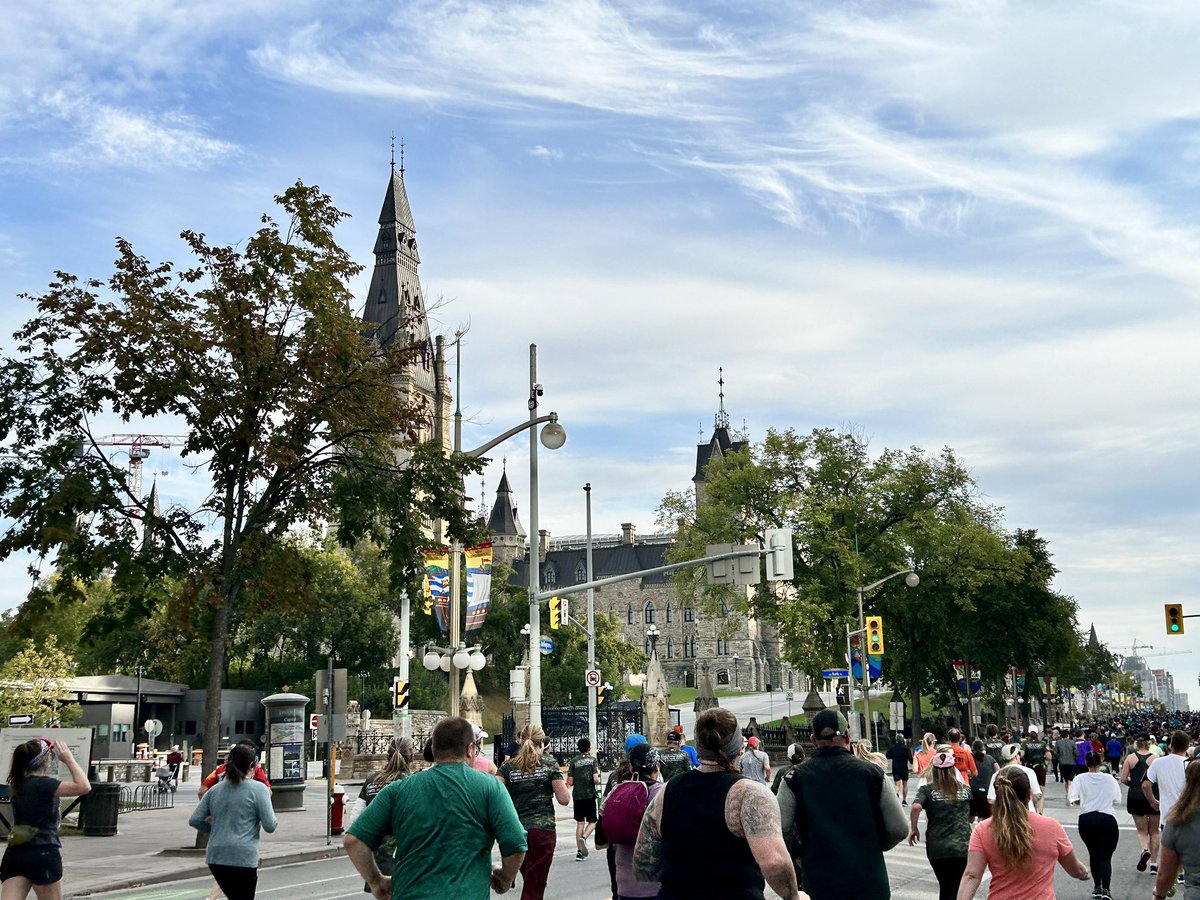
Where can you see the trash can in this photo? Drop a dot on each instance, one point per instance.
(98, 811)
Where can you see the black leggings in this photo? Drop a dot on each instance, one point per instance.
(236, 882)
(949, 872)
(1099, 833)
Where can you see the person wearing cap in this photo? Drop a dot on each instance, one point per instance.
(843, 815)
(795, 755)
(583, 778)
(755, 764)
(1011, 757)
(712, 832)
(644, 760)
(479, 760)
(686, 747)
(947, 805)
(623, 772)
(673, 760)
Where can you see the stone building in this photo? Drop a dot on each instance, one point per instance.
(736, 651)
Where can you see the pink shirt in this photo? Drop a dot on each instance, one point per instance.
(482, 764)
(1034, 881)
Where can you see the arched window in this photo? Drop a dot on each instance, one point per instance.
(692, 641)
(689, 614)
(670, 647)
(722, 647)
(581, 572)
(722, 676)
(668, 613)
(630, 613)
(648, 613)
(551, 575)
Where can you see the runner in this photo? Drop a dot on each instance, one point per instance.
(901, 760)
(673, 760)
(1096, 793)
(1066, 761)
(583, 778)
(755, 764)
(534, 782)
(947, 805)
(1145, 817)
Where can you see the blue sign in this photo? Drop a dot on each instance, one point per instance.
(834, 673)
(876, 664)
(546, 646)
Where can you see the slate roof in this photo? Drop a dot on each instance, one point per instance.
(503, 519)
(606, 562)
(720, 444)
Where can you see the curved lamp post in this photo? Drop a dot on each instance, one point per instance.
(911, 579)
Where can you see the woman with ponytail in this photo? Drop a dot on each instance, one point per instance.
(1019, 846)
(947, 803)
(534, 781)
(33, 859)
(712, 832)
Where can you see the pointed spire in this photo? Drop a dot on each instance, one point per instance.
(721, 419)
(1093, 641)
(503, 520)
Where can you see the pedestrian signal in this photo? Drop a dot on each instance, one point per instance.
(1174, 613)
(874, 635)
(558, 609)
(400, 689)
(602, 695)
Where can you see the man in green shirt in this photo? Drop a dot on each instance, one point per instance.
(583, 778)
(673, 760)
(445, 821)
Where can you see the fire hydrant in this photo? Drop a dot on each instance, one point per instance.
(338, 805)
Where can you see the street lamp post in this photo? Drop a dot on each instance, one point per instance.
(736, 681)
(653, 634)
(912, 580)
(458, 656)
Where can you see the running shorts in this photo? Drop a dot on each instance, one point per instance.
(585, 810)
(37, 862)
(1068, 771)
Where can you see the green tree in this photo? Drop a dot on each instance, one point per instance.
(34, 681)
(291, 412)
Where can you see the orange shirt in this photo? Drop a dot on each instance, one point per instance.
(964, 761)
(922, 758)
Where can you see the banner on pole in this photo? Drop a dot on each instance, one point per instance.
(437, 584)
(479, 586)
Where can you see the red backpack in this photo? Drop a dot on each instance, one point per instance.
(623, 811)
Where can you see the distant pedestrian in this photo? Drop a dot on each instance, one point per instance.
(622, 773)
(922, 756)
(583, 778)
(1066, 761)
(673, 760)
(232, 813)
(964, 761)
(712, 832)
(175, 764)
(534, 782)
(795, 755)
(686, 747)
(33, 858)
(218, 773)
(1034, 754)
(1145, 817)
(445, 821)
(1019, 847)
(947, 805)
(985, 768)
(755, 764)
(1011, 758)
(1097, 793)
(843, 816)
(643, 760)
(901, 759)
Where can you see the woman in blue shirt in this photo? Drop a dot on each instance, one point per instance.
(233, 812)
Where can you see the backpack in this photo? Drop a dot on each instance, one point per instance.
(623, 811)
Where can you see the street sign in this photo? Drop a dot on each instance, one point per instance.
(314, 721)
(21, 719)
(592, 678)
(546, 646)
(789, 696)
(314, 735)
(833, 673)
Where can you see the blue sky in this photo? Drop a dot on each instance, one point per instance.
(968, 224)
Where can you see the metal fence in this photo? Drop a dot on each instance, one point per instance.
(565, 725)
(139, 797)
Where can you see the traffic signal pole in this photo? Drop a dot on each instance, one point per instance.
(591, 622)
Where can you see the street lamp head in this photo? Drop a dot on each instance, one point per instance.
(431, 660)
(444, 662)
(553, 435)
(478, 661)
(462, 658)
(912, 579)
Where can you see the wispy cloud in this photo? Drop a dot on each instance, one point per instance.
(545, 152)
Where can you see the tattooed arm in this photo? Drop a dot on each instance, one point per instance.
(752, 812)
(647, 852)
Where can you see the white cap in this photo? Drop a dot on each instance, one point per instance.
(480, 734)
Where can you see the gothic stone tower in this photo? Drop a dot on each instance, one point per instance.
(395, 305)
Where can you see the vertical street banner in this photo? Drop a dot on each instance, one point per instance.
(960, 677)
(1049, 685)
(437, 584)
(479, 587)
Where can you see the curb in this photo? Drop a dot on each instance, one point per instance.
(201, 871)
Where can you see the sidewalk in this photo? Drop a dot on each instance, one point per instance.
(158, 845)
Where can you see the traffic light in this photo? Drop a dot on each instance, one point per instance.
(602, 695)
(1174, 613)
(558, 611)
(777, 544)
(874, 635)
(400, 689)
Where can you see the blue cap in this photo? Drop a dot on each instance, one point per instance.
(633, 740)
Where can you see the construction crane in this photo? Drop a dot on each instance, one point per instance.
(139, 451)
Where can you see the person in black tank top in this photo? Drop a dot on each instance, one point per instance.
(713, 833)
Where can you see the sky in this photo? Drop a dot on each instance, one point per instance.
(964, 224)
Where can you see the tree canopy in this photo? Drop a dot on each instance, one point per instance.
(291, 412)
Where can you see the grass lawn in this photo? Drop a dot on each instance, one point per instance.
(680, 696)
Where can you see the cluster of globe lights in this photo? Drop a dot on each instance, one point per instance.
(463, 658)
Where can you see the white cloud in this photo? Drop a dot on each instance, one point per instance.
(545, 152)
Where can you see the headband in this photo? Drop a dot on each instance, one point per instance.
(731, 747)
(37, 761)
